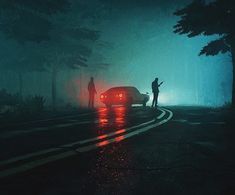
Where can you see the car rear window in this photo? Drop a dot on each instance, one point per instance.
(115, 89)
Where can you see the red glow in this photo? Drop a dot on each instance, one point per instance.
(103, 143)
(101, 86)
(102, 97)
(115, 116)
(120, 117)
(119, 138)
(120, 131)
(120, 95)
(102, 137)
(103, 117)
(76, 92)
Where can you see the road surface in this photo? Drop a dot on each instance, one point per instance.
(119, 151)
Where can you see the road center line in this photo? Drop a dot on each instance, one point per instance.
(42, 152)
(8, 134)
(104, 136)
(125, 136)
(35, 163)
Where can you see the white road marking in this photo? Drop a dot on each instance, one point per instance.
(125, 136)
(217, 123)
(108, 135)
(38, 129)
(195, 123)
(35, 163)
(27, 156)
(194, 114)
(42, 152)
(59, 118)
(8, 134)
(161, 115)
(116, 132)
(180, 120)
(210, 123)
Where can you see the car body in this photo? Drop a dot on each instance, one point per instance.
(123, 95)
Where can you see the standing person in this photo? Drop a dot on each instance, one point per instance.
(92, 92)
(155, 90)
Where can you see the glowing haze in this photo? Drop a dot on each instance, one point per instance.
(145, 47)
(139, 46)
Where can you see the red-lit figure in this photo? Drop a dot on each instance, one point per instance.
(155, 90)
(92, 92)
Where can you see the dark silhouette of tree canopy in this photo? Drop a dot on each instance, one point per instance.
(25, 59)
(28, 20)
(54, 44)
(69, 47)
(215, 18)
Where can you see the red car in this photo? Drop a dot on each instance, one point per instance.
(124, 95)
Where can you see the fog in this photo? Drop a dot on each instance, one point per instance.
(136, 44)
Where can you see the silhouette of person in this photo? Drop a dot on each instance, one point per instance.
(155, 90)
(92, 92)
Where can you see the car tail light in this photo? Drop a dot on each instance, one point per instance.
(102, 96)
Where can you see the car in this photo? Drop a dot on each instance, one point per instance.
(123, 95)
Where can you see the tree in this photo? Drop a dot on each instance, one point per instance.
(21, 60)
(28, 20)
(68, 48)
(215, 18)
(57, 44)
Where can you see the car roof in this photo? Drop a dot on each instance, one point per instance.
(122, 88)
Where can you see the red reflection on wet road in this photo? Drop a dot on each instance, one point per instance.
(120, 116)
(120, 131)
(103, 143)
(111, 124)
(102, 137)
(114, 117)
(110, 130)
(119, 138)
(103, 117)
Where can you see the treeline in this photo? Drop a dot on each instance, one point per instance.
(15, 104)
(46, 36)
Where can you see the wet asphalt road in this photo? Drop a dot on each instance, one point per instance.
(191, 153)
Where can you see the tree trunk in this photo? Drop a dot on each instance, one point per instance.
(53, 87)
(80, 87)
(233, 90)
(20, 84)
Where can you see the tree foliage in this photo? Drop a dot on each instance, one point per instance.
(28, 20)
(215, 47)
(215, 18)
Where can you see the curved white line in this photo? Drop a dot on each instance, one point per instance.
(60, 118)
(43, 152)
(33, 164)
(60, 148)
(125, 136)
(161, 115)
(117, 132)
